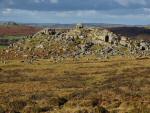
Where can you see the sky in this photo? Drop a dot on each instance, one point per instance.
(131, 12)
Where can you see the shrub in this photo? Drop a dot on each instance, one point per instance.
(35, 97)
(96, 102)
(100, 109)
(2, 110)
(53, 101)
(45, 109)
(17, 105)
(62, 101)
(37, 109)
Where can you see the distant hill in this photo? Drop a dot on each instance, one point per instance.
(8, 23)
(133, 32)
(56, 25)
(17, 30)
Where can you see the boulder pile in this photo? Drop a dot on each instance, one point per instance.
(77, 42)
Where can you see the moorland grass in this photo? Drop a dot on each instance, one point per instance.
(117, 85)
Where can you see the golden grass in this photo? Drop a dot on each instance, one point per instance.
(119, 84)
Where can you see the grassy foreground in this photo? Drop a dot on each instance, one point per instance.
(119, 85)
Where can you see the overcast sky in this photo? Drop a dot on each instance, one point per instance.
(76, 11)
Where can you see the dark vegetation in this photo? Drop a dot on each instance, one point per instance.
(133, 32)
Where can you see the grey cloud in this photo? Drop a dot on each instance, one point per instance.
(68, 5)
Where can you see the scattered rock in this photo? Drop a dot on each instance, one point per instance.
(80, 41)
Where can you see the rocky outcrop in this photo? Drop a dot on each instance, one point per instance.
(80, 41)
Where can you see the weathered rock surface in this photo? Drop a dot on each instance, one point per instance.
(80, 41)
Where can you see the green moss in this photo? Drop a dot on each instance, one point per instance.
(13, 37)
(2, 46)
